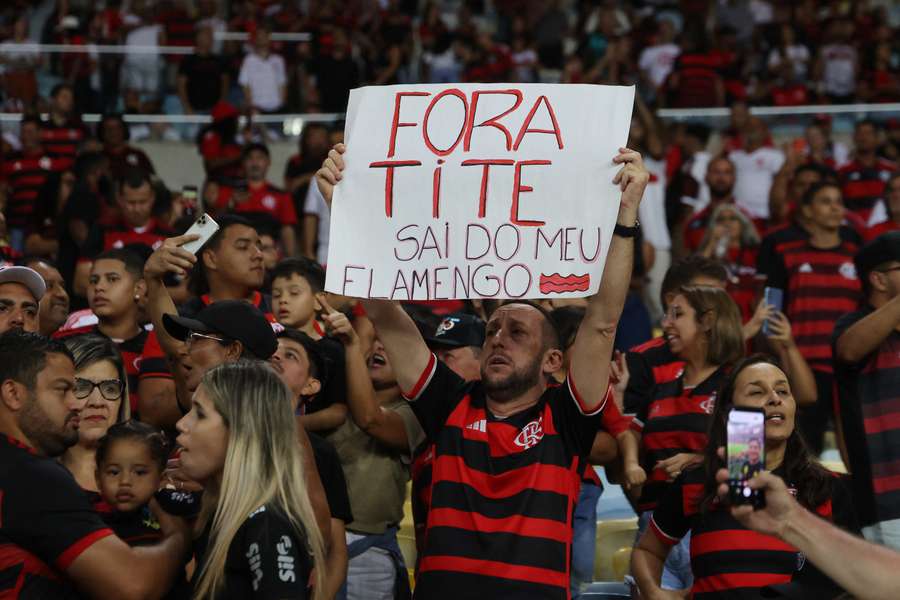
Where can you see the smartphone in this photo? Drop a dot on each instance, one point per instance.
(205, 227)
(746, 450)
(774, 297)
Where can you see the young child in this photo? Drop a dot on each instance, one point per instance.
(297, 297)
(131, 458)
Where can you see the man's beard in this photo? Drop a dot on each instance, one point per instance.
(47, 438)
(515, 384)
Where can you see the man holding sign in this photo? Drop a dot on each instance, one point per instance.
(509, 450)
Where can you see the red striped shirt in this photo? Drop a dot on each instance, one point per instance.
(864, 186)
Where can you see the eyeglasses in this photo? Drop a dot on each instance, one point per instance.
(888, 270)
(193, 336)
(110, 389)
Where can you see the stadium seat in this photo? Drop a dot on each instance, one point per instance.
(613, 536)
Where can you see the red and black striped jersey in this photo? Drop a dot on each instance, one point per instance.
(503, 490)
(697, 76)
(778, 238)
(729, 561)
(63, 140)
(46, 522)
(675, 421)
(870, 416)
(820, 286)
(864, 186)
(119, 234)
(25, 174)
(650, 364)
(131, 351)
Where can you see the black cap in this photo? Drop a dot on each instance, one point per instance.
(233, 319)
(457, 330)
(884, 248)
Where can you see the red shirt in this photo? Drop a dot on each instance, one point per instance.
(875, 230)
(265, 199)
(212, 148)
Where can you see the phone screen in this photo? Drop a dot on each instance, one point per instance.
(746, 453)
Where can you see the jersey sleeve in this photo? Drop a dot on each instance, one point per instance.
(669, 521)
(436, 393)
(577, 425)
(47, 514)
(613, 421)
(278, 562)
(639, 391)
(153, 360)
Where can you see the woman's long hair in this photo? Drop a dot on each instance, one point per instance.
(802, 470)
(719, 319)
(91, 348)
(263, 467)
(749, 235)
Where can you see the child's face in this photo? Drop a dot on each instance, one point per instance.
(293, 301)
(129, 476)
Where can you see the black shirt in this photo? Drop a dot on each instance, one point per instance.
(334, 386)
(328, 463)
(46, 522)
(267, 559)
(204, 80)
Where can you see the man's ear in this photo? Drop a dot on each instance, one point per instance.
(312, 387)
(140, 289)
(553, 361)
(12, 394)
(876, 281)
(233, 351)
(209, 259)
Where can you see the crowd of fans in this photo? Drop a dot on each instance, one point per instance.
(680, 54)
(150, 450)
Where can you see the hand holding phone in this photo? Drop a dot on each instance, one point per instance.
(205, 227)
(746, 454)
(773, 297)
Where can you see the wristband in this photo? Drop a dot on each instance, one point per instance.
(627, 232)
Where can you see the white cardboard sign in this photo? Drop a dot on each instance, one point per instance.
(477, 191)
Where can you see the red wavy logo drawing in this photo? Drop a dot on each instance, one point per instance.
(558, 284)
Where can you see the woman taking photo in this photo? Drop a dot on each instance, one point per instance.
(101, 383)
(257, 534)
(702, 327)
(728, 560)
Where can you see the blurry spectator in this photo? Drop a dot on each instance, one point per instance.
(755, 168)
(141, 69)
(115, 291)
(21, 289)
(336, 73)
(113, 131)
(789, 185)
(258, 200)
(785, 89)
(720, 177)
(656, 60)
(820, 285)
(730, 63)
(219, 144)
(892, 204)
(820, 148)
(524, 59)
(687, 161)
(881, 80)
(313, 147)
(54, 305)
(738, 120)
(789, 52)
(263, 77)
(178, 25)
(837, 63)
(550, 32)
(135, 198)
(78, 68)
(63, 132)
(866, 344)
(49, 205)
(19, 68)
(24, 172)
(694, 80)
(208, 18)
(731, 238)
(486, 60)
(863, 179)
(891, 147)
(203, 78)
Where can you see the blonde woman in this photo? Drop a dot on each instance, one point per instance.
(101, 383)
(257, 534)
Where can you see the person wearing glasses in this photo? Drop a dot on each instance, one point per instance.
(100, 384)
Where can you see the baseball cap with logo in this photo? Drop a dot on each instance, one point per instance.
(457, 330)
(30, 278)
(232, 319)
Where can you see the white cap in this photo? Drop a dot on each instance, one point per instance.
(30, 278)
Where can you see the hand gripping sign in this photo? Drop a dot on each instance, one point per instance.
(477, 191)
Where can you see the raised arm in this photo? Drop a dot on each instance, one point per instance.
(592, 350)
(402, 341)
(863, 337)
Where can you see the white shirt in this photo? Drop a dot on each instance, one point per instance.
(798, 55)
(264, 77)
(144, 35)
(652, 210)
(657, 61)
(755, 172)
(315, 205)
(839, 75)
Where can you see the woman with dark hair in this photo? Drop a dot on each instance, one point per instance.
(728, 560)
(702, 328)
